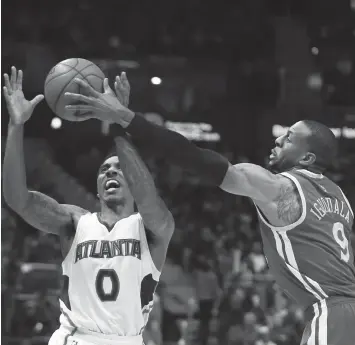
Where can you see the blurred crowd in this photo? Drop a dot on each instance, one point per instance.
(155, 27)
(215, 287)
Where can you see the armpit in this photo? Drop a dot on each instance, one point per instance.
(288, 203)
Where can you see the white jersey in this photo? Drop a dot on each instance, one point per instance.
(111, 278)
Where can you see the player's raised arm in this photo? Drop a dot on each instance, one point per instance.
(156, 216)
(37, 209)
(209, 165)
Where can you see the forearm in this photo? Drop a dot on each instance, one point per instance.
(14, 174)
(141, 185)
(209, 165)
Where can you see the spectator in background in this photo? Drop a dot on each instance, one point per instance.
(207, 289)
(34, 317)
(232, 307)
(178, 294)
(286, 325)
(245, 333)
(45, 248)
(256, 260)
(264, 336)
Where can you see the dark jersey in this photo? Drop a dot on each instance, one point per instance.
(312, 259)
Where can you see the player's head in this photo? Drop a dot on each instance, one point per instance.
(307, 144)
(112, 187)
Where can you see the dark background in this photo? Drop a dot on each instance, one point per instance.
(241, 66)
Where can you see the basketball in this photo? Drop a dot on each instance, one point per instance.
(60, 80)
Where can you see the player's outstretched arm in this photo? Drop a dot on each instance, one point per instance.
(156, 216)
(209, 165)
(37, 209)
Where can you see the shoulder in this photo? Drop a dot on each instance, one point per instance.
(255, 182)
(286, 207)
(288, 202)
(67, 237)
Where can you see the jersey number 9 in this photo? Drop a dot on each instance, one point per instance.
(338, 229)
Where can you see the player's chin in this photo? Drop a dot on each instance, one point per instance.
(272, 162)
(273, 165)
(112, 194)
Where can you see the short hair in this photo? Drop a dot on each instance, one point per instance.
(111, 153)
(323, 143)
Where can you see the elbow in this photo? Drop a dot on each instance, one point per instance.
(9, 199)
(170, 223)
(162, 228)
(16, 203)
(166, 227)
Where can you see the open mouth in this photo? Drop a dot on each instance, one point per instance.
(112, 185)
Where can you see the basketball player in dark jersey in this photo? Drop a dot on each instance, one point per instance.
(305, 219)
(117, 243)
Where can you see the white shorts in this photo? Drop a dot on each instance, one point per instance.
(67, 336)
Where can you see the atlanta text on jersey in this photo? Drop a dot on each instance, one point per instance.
(108, 249)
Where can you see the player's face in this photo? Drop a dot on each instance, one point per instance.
(111, 184)
(290, 148)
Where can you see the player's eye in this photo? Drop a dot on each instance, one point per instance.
(103, 169)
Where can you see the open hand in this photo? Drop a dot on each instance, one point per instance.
(122, 89)
(102, 106)
(20, 109)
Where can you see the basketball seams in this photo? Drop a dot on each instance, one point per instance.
(78, 73)
(59, 75)
(71, 68)
(63, 88)
(83, 76)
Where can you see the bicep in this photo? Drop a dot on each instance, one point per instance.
(46, 214)
(158, 244)
(253, 181)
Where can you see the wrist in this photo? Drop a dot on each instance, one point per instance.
(117, 131)
(13, 125)
(125, 117)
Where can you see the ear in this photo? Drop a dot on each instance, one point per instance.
(308, 159)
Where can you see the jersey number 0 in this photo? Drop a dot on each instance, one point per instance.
(112, 275)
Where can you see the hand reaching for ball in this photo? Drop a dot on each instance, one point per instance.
(123, 89)
(106, 106)
(20, 109)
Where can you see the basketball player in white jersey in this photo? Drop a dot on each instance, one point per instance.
(111, 267)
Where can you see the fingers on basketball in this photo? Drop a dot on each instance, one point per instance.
(88, 89)
(106, 85)
(76, 97)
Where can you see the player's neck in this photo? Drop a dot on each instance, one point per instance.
(112, 214)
